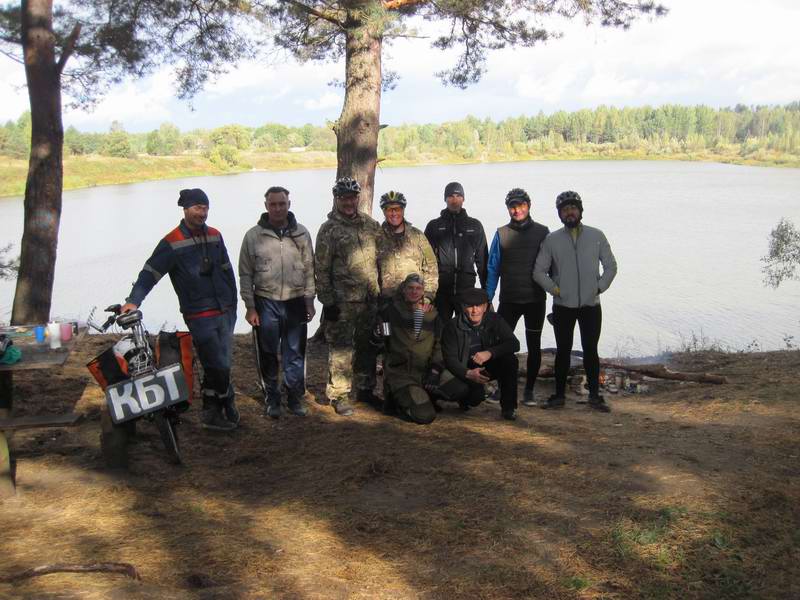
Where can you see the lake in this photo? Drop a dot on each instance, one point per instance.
(688, 238)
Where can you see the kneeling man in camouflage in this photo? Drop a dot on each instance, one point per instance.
(412, 356)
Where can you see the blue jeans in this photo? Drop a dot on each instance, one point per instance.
(213, 342)
(283, 328)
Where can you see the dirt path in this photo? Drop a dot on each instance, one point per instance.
(692, 491)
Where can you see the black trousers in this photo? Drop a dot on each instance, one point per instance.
(446, 305)
(534, 319)
(504, 369)
(590, 319)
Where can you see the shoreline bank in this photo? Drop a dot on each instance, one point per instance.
(82, 172)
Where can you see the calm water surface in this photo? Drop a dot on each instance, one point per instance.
(687, 236)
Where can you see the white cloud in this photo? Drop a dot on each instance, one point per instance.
(717, 52)
(548, 87)
(133, 101)
(327, 100)
(13, 91)
(242, 77)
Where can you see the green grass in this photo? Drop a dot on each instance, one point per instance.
(90, 171)
(577, 583)
(628, 537)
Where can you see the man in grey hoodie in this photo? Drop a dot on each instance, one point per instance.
(568, 267)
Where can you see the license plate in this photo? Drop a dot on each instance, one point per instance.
(133, 398)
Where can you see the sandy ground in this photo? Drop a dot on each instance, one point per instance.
(690, 491)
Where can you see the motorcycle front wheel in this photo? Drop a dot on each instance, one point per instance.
(167, 427)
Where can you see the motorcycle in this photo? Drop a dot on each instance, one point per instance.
(141, 381)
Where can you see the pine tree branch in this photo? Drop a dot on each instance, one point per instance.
(69, 47)
(329, 16)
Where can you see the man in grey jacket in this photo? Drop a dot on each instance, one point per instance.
(276, 271)
(568, 267)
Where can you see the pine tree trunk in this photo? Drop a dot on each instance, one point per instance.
(45, 172)
(358, 125)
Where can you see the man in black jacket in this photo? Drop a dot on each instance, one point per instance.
(459, 243)
(477, 347)
(511, 259)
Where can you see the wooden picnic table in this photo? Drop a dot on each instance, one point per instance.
(34, 356)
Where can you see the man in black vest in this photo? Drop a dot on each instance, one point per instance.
(459, 243)
(511, 259)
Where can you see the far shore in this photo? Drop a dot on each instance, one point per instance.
(95, 170)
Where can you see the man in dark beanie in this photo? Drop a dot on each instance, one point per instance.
(196, 260)
(479, 346)
(459, 243)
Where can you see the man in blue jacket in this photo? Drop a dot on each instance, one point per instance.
(196, 260)
(568, 267)
(513, 253)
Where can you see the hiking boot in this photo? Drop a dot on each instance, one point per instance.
(527, 397)
(598, 403)
(212, 417)
(553, 401)
(296, 406)
(273, 409)
(509, 415)
(229, 409)
(343, 407)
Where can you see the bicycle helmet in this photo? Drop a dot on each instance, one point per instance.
(345, 186)
(567, 198)
(517, 195)
(393, 197)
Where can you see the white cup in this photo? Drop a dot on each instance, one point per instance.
(54, 335)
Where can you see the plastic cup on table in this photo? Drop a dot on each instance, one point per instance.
(39, 332)
(54, 333)
(66, 332)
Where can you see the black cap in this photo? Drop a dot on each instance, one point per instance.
(473, 297)
(453, 188)
(192, 197)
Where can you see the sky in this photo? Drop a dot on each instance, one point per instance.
(714, 52)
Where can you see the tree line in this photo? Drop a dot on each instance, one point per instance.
(668, 128)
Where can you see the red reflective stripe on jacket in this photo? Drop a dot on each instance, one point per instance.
(205, 313)
(176, 235)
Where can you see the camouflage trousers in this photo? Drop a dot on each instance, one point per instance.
(351, 356)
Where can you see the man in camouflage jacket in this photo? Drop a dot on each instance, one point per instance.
(403, 249)
(347, 286)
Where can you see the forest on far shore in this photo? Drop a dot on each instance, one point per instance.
(766, 135)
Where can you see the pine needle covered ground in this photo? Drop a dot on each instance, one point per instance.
(691, 491)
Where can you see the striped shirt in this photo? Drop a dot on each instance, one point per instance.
(418, 316)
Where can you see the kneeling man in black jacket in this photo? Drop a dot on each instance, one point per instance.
(479, 346)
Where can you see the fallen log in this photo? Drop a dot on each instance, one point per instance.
(659, 371)
(122, 568)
